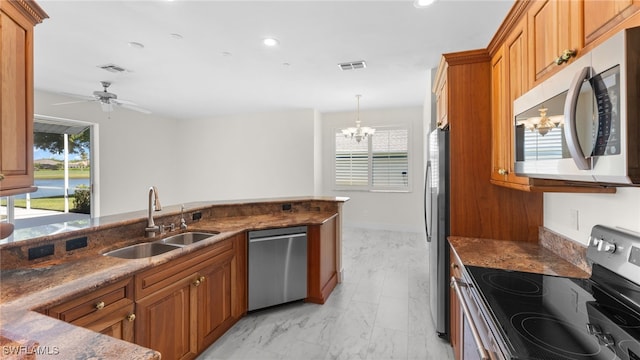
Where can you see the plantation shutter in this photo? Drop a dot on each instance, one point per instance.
(352, 162)
(390, 159)
(380, 162)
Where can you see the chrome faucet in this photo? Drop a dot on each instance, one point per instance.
(154, 204)
(183, 223)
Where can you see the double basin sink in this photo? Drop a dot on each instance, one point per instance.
(145, 250)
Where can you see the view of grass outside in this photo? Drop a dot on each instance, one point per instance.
(56, 203)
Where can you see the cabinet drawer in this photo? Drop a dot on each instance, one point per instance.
(152, 280)
(96, 303)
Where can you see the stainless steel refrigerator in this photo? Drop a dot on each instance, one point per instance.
(436, 209)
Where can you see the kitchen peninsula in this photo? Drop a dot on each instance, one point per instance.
(204, 282)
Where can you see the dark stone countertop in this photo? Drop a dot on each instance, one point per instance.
(23, 290)
(513, 255)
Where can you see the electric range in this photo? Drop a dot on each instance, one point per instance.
(534, 316)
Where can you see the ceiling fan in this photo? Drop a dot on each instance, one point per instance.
(106, 100)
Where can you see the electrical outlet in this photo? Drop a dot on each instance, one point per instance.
(196, 216)
(575, 219)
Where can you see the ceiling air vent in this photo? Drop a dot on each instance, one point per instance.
(352, 65)
(112, 68)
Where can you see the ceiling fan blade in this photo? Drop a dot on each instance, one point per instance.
(132, 107)
(71, 102)
(84, 97)
(123, 102)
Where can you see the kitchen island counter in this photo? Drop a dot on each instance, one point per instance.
(26, 288)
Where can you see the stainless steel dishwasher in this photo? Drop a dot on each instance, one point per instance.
(277, 266)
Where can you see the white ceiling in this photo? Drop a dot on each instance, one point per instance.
(220, 66)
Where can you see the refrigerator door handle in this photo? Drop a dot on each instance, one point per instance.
(427, 206)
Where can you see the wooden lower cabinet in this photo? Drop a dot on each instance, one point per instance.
(455, 312)
(166, 320)
(108, 310)
(322, 268)
(214, 299)
(183, 306)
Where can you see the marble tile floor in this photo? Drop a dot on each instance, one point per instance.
(379, 312)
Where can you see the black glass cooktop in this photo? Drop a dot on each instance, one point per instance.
(549, 317)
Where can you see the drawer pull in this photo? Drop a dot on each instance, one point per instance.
(454, 266)
(503, 172)
(131, 317)
(199, 281)
(100, 305)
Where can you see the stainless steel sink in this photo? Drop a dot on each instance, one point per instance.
(141, 251)
(187, 238)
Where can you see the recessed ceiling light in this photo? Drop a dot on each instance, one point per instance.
(136, 45)
(270, 42)
(423, 3)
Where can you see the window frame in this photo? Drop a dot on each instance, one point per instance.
(370, 187)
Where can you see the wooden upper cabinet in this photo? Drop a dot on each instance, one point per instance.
(517, 70)
(554, 27)
(17, 19)
(499, 118)
(440, 88)
(602, 16)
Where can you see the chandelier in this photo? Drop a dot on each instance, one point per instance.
(358, 132)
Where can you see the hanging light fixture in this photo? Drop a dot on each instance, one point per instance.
(359, 133)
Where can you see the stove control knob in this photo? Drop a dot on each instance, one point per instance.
(606, 340)
(606, 246)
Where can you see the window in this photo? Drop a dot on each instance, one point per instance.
(381, 162)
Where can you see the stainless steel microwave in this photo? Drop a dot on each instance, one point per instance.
(582, 124)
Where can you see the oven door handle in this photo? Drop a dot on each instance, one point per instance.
(455, 284)
(571, 102)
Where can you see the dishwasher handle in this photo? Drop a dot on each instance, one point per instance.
(269, 238)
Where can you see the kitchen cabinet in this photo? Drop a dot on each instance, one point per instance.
(183, 306)
(17, 20)
(322, 269)
(553, 27)
(456, 320)
(108, 310)
(509, 80)
(602, 16)
(476, 207)
(523, 53)
(442, 120)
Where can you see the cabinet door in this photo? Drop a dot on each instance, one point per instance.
(441, 105)
(456, 319)
(601, 16)
(517, 83)
(215, 301)
(16, 96)
(322, 274)
(554, 26)
(166, 320)
(499, 119)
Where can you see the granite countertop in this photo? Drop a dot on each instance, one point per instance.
(513, 255)
(27, 289)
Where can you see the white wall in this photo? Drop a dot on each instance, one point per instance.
(288, 153)
(621, 209)
(248, 156)
(135, 152)
(380, 210)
